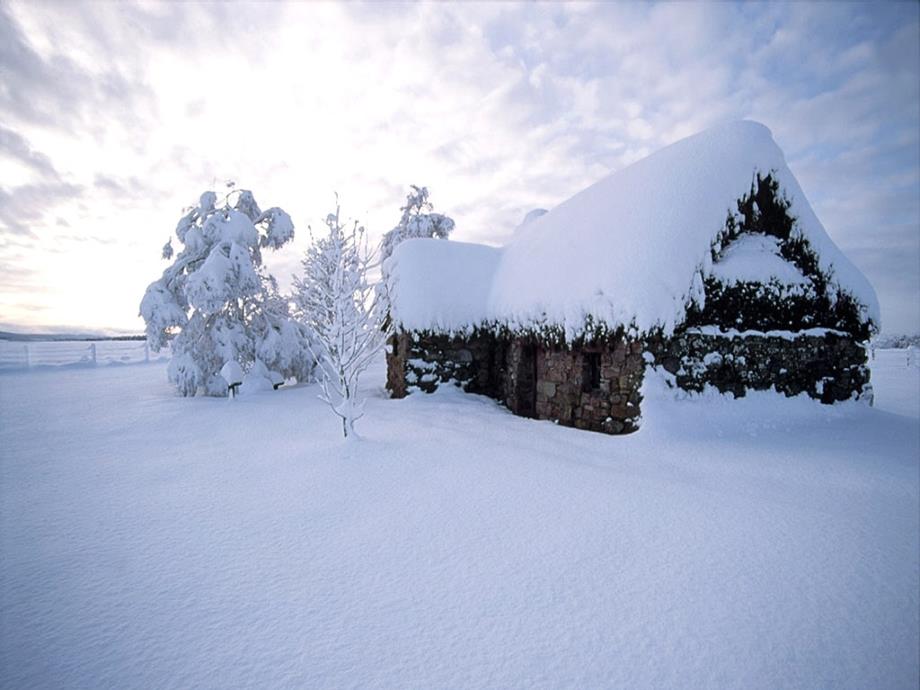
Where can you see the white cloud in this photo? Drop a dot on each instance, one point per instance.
(498, 108)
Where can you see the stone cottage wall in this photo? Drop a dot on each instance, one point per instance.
(829, 367)
(528, 378)
(564, 396)
(426, 361)
(397, 352)
(544, 382)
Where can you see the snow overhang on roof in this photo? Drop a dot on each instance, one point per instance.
(440, 285)
(626, 251)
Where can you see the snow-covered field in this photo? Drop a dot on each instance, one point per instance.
(896, 381)
(153, 541)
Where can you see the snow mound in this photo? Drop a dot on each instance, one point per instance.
(756, 259)
(533, 215)
(232, 373)
(628, 250)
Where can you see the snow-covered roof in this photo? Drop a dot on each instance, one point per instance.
(441, 285)
(629, 249)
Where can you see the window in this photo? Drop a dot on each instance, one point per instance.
(591, 371)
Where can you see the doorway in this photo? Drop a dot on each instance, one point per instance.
(526, 393)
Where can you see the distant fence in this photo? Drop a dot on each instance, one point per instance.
(894, 357)
(26, 355)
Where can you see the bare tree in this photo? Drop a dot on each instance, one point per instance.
(345, 313)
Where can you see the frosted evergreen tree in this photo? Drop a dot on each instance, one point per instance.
(343, 310)
(417, 221)
(214, 304)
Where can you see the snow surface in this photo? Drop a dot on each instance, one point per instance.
(629, 248)
(756, 259)
(531, 216)
(154, 541)
(442, 285)
(896, 381)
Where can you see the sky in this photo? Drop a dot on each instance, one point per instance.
(116, 116)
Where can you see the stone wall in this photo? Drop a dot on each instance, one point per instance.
(828, 367)
(773, 306)
(559, 384)
(529, 378)
(425, 361)
(397, 351)
(612, 405)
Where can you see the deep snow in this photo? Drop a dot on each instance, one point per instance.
(153, 541)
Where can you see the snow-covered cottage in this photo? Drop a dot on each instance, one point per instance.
(704, 259)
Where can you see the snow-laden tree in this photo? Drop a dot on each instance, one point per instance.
(281, 343)
(215, 304)
(343, 311)
(417, 221)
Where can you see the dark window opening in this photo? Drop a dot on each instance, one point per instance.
(591, 371)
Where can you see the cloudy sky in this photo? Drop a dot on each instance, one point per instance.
(113, 117)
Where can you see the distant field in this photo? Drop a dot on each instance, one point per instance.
(896, 382)
(23, 355)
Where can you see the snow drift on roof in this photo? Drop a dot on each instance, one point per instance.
(756, 259)
(628, 250)
(440, 285)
